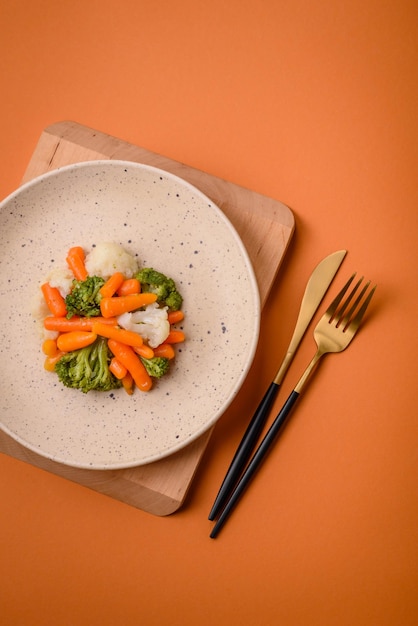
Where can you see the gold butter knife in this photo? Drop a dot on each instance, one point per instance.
(317, 286)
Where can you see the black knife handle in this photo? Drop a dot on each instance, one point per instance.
(244, 449)
(259, 456)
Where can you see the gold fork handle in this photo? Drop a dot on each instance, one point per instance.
(304, 378)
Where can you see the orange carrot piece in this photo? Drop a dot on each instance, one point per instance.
(175, 316)
(112, 285)
(145, 351)
(51, 361)
(129, 287)
(49, 347)
(126, 355)
(129, 337)
(64, 325)
(128, 383)
(74, 340)
(54, 300)
(112, 307)
(165, 350)
(117, 368)
(75, 261)
(175, 336)
(77, 250)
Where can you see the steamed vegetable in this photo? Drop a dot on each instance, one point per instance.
(111, 307)
(117, 368)
(54, 300)
(110, 324)
(127, 357)
(75, 261)
(106, 258)
(164, 287)
(157, 366)
(120, 334)
(166, 350)
(151, 323)
(85, 297)
(64, 325)
(175, 336)
(67, 342)
(112, 285)
(88, 368)
(129, 287)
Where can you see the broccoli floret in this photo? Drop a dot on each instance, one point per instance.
(85, 297)
(88, 368)
(174, 301)
(164, 287)
(157, 366)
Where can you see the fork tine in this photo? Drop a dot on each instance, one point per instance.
(334, 304)
(356, 321)
(348, 300)
(344, 320)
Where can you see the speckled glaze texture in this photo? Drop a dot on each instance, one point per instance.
(169, 225)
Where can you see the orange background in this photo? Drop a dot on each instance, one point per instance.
(314, 104)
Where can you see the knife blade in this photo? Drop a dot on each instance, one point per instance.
(316, 288)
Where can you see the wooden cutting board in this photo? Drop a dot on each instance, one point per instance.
(264, 225)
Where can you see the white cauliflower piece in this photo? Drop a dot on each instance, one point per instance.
(151, 323)
(61, 278)
(107, 258)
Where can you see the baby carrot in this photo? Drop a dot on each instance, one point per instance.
(75, 261)
(129, 287)
(175, 316)
(112, 285)
(129, 337)
(133, 364)
(64, 325)
(117, 368)
(112, 307)
(128, 383)
(175, 336)
(144, 351)
(49, 347)
(78, 250)
(51, 361)
(54, 300)
(74, 340)
(165, 350)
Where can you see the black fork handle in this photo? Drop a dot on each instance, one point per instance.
(259, 456)
(244, 449)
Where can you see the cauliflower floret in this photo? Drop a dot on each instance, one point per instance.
(107, 258)
(151, 323)
(61, 278)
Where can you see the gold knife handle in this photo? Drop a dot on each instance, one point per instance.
(283, 368)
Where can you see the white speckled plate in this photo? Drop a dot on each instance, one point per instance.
(171, 226)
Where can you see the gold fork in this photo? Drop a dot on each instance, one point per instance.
(333, 333)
